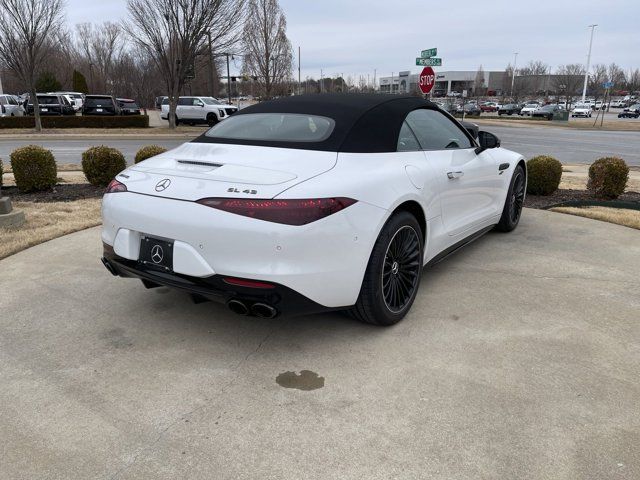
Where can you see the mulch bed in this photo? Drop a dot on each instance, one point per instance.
(567, 195)
(59, 193)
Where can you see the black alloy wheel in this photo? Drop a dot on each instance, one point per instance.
(392, 277)
(512, 210)
(401, 269)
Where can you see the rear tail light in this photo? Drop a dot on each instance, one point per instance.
(115, 187)
(288, 212)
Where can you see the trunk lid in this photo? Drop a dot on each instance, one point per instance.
(200, 170)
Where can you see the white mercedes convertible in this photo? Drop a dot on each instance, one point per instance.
(312, 203)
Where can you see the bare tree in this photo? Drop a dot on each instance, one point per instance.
(28, 27)
(633, 80)
(568, 80)
(174, 32)
(268, 52)
(101, 47)
(596, 79)
(616, 75)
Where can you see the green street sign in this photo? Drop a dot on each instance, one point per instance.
(429, 62)
(431, 52)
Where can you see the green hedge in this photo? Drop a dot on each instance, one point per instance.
(608, 177)
(34, 168)
(148, 151)
(544, 175)
(120, 121)
(101, 164)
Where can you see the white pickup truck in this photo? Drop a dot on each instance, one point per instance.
(193, 110)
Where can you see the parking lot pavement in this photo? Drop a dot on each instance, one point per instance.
(519, 360)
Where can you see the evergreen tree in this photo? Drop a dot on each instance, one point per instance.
(80, 83)
(47, 82)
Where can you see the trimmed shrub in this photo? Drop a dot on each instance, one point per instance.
(75, 121)
(608, 177)
(34, 168)
(101, 164)
(543, 175)
(148, 152)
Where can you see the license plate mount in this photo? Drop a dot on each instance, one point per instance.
(156, 253)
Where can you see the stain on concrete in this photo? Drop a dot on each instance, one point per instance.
(307, 380)
(116, 338)
(455, 318)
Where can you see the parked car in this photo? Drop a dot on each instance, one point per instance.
(10, 106)
(619, 104)
(128, 106)
(529, 109)
(489, 107)
(469, 109)
(630, 112)
(51, 104)
(193, 110)
(238, 215)
(100, 105)
(548, 111)
(509, 109)
(158, 102)
(76, 99)
(582, 110)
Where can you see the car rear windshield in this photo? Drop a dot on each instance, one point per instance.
(98, 102)
(47, 100)
(275, 127)
(129, 104)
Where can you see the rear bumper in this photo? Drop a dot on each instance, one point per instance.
(286, 301)
(324, 261)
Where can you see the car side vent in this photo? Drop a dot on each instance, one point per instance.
(201, 164)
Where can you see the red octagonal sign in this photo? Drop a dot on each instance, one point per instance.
(427, 80)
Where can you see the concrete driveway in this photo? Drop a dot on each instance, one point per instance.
(520, 360)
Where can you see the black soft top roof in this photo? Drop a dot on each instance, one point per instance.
(364, 123)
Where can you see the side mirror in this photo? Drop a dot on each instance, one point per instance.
(487, 140)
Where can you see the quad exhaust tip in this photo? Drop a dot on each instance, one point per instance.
(239, 307)
(263, 310)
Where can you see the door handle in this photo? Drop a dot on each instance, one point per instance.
(452, 175)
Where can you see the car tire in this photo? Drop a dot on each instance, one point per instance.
(392, 277)
(512, 210)
(177, 121)
(212, 119)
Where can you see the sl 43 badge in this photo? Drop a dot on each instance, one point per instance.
(236, 190)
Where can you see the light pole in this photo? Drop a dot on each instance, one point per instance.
(586, 73)
(513, 74)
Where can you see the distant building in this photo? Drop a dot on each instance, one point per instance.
(446, 82)
(492, 83)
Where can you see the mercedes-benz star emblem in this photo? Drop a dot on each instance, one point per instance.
(162, 185)
(157, 254)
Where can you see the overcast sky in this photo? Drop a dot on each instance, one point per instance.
(355, 37)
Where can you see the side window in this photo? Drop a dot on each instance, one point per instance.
(3, 100)
(185, 101)
(407, 141)
(197, 102)
(436, 132)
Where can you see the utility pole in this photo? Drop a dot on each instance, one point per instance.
(586, 73)
(513, 74)
(299, 82)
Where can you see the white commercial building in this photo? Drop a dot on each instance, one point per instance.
(446, 82)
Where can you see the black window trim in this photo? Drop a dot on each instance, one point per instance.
(448, 116)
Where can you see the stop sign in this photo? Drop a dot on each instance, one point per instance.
(427, 80)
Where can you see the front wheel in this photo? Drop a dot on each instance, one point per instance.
(212, 119)
(512, 210)
(393, 273)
